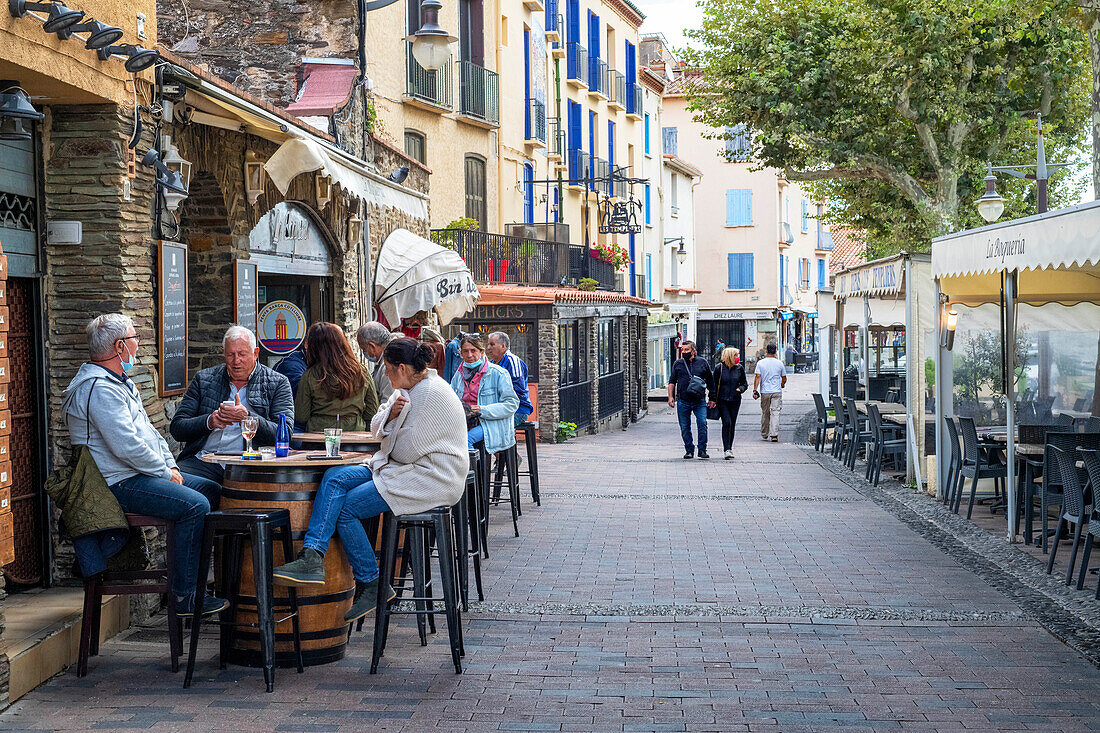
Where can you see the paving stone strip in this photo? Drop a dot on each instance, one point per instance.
(697, 497)
(1070, 615)
(808, 614)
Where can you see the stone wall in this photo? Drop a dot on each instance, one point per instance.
(258, 47)
(548, 380)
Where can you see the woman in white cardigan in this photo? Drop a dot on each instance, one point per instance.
(422, 464)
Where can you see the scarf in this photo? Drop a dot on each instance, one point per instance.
(471, 381)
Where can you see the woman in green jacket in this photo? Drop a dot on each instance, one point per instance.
(335, 384)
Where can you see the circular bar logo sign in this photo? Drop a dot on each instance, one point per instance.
(282, 327)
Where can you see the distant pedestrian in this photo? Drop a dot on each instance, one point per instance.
(688, 385)
(497, 347)
(767, 386)
(718, 349)
(729, 383)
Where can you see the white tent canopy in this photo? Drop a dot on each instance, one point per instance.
(1057, 256)
(415, 275)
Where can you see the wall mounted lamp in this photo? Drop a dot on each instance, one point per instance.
(323, 189)
(99, 34)
(137, 58)
(15, 111)
(167, 178)
(59, 17)
(253, 177)
(949, 319)
(175, 163)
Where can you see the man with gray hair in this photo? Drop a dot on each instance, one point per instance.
(209, 416)
(497, 348)
(104, 411)
(373, 338)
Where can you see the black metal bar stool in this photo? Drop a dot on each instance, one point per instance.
(262, 527)
(468, 530)
(417, 526)
(508, 458)
(479, 514)
(128, 583)
(529, 429)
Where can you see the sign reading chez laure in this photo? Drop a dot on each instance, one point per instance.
(172, 317)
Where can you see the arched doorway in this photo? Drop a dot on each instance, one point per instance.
(295, 260)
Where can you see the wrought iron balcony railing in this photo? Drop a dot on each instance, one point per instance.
(576, 63)
(555, 138)
(597, 75)
(479, 92)
(535, 121)
(634, 99)
(432, 86)
(499, 258)
(616, 88)
(579, 165)
(552, 20)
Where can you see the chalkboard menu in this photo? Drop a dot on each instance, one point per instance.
(245, 303)
(172, 317)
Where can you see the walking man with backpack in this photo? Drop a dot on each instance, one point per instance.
(689, 384)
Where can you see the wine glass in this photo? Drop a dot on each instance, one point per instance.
(249, 425)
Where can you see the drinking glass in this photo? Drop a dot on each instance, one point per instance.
(249, 425)
(332, 442)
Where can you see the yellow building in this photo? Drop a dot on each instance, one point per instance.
(447, 119)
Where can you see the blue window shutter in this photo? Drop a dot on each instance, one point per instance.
(800, 273)
(611, 143)
(739, 207)
(805, 216)
(574, 125)
(573, 11)
(749, 277)
(669, 138)
(648, 220)
(820, 273)
(649, 277)
(734, 277)
(740, 274)
(647, 134)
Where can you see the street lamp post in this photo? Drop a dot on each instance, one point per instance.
(991, 205)
(429, 43)
(681, 252)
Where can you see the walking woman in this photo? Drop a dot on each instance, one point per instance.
(730, 381)
(421, 464)
(335, 384)
(486, 390)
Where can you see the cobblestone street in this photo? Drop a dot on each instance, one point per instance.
(649, 593)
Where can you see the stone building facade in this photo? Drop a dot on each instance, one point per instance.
(585, 352)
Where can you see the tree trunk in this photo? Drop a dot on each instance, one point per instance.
(1094, 57)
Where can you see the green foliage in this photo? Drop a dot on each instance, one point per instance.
(444, 237)
(930, 373)
(566, 430)
(370, 114)
(587, 283)
(891, 109)
(977, 367)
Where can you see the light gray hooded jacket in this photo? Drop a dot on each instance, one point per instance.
(122, 440)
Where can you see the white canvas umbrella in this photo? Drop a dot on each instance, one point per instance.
(414, 274)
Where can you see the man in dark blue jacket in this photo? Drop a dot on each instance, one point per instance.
(690, 400)
(208, 419)
(497, 348)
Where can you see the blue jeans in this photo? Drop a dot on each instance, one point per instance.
(684, 411)
(521, 417)
(476, 434)
(346, 497)
(186, 505)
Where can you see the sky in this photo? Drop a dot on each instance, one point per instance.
(670, 17)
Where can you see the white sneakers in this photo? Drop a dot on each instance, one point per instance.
(729, 454)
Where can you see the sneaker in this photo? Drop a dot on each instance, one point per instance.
(689, 454)
(729, 454)
(210, 604)
(308, 569)
(366, 597)
(775, 438)
(703, 453)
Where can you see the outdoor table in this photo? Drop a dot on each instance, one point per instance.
(884, 408)
(289, 483)
(1076, 414)
(354, 441)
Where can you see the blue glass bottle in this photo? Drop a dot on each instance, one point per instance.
(282, 438)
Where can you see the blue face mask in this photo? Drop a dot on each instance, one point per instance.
(476, 365)
(128, 365)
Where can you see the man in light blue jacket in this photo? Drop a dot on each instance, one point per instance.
(486, 390)
(104, 411)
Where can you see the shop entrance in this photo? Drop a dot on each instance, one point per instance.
(295, 262)
(731, 333)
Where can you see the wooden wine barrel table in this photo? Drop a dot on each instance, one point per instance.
(353, 441)
(289, 483)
